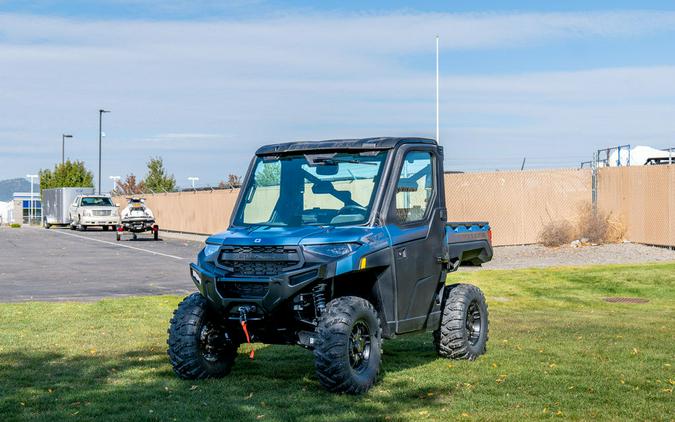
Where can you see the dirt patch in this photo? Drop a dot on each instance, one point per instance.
(624, 300)
(537, 256)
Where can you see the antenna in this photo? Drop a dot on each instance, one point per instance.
(438, 132)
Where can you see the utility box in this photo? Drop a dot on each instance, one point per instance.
(55, 204)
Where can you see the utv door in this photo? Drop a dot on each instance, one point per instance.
(416, 224)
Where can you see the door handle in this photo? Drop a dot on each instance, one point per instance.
(401, 253)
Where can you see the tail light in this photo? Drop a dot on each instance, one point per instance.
(490, 235)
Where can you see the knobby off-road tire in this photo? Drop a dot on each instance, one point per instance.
(198, 347)
(349, 345)
(463, 332)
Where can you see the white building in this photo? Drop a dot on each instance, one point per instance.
(22, 208)
(638, 155)
(6, 213)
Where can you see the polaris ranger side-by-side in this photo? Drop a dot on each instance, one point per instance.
(333, 246)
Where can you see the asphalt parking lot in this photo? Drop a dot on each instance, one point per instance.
(60, 264)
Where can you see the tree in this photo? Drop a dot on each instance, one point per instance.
(234, 181)
(129, 185)
(71, 174)
(269, 174)
(157, 179)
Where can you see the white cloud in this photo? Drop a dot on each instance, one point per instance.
(174, 87)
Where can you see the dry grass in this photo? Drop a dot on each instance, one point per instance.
(598, 226)
(557, 233)
(594, 226)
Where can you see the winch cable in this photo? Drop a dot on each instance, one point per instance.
(242, 321)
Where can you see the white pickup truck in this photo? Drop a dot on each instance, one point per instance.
(93, 210)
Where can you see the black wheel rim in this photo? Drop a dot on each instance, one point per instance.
(473, 322)
(359, 346)
(212, 342)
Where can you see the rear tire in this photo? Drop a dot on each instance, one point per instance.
(349, 346)
(199, 347)
(463, 333)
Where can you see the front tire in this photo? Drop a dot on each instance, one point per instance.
(199, 347)
(463, 332)
(349, 346)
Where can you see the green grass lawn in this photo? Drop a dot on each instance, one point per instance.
(556, 350)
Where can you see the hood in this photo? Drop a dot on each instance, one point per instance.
(292, 236)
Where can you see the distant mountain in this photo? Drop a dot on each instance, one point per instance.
(9, 186)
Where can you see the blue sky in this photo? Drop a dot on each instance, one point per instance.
(203, 83)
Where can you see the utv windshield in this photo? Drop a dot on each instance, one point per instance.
(311, 189)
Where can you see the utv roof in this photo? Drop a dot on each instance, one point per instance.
(340, 144)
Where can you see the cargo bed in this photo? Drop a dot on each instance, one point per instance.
(469, 243)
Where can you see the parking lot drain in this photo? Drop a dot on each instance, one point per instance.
(624, 300)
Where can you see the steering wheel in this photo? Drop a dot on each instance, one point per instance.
(353, 209)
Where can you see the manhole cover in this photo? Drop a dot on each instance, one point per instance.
(624, 300)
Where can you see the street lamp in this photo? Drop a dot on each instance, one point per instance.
(63, 147)
(100, 134)
(32, 203)
(114, 180)
(193, 179)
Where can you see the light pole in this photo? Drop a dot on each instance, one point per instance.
(32, 204)
(100, 134)
(63, 147)
(438, 112)
(114, 180)
(193, 179)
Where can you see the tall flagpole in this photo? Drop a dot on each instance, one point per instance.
(438, 131)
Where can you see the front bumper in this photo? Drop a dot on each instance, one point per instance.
(107, 220)
(266, 293)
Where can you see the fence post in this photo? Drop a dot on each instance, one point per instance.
(594, 182)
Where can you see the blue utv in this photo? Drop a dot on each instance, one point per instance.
(335, 246)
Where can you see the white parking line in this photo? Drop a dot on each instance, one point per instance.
(115, 244)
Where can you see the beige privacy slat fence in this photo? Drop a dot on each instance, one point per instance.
(643, 198)
(517, 204)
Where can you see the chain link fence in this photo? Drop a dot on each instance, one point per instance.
(518, 204)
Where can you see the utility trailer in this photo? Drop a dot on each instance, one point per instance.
(56, 203)
(334, 246)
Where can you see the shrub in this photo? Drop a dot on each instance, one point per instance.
(556, 233)
(15, 225)
(598, 226)
(592, 226)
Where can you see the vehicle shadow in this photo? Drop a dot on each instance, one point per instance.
(279, 384)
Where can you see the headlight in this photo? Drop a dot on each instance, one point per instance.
(334, 250)
(210, 249)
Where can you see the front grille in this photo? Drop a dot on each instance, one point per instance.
(101, 213)
(232, 289)
(259, 260)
